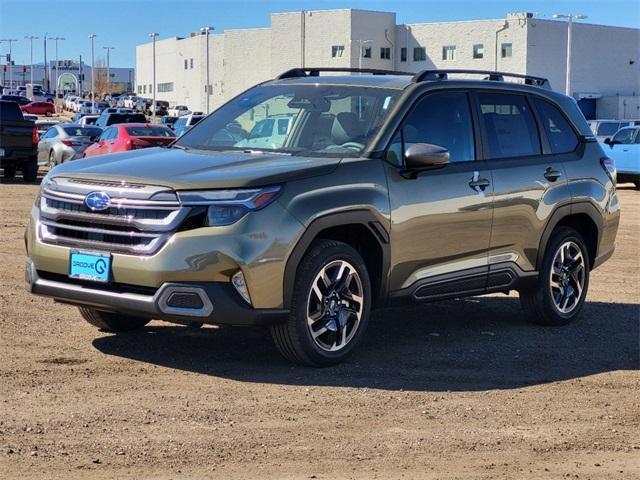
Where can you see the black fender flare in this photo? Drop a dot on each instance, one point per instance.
(365, 218)
(562, 212)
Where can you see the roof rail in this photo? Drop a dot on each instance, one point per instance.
(315, 72)
(435, 75)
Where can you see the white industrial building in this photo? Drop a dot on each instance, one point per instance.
(605, 60)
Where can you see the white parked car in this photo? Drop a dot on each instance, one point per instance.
(270, 132)
(185, 122)
(178, 111)
(87, 120)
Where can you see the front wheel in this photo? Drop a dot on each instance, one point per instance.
(563, 280)
(330, 306)
(112, 322)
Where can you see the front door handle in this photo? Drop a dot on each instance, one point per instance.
(552, 174)
(479, 183)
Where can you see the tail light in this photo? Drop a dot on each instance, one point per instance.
(71, 143)
(609, 167)
(34, 135)
(136, 144)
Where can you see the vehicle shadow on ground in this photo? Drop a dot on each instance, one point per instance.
(460, 345)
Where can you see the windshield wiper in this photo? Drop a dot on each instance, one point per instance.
(180, 147)
(253, 151)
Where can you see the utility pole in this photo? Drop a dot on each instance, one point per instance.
(93, 91)
(10, 59)
(80, 77)
(57, 77)
(31, 38)
(570, 17)
(153, 36)
(108, 49)
(46, 82)
(206, 31)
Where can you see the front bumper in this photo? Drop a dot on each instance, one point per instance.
(220, 304)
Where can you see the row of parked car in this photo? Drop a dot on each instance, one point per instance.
(621, 142)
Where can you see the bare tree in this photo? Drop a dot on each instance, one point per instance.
(102, 82)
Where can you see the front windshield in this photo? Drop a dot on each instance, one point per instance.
(311, 120)
(608, 128)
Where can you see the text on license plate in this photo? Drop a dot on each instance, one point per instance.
(90, 266)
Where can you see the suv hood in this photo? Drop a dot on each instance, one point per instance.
(197, 169)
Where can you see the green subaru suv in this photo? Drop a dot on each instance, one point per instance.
(372, 189)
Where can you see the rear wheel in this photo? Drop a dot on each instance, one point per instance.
(112, 322)
(563, 282)
(30, 170)
(330, 306)
(52, 159)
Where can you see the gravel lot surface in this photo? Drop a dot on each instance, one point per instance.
(463, 389)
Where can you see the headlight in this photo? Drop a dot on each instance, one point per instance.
(46, 181)
(226, 207)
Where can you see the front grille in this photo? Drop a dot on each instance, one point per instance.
(134, 223)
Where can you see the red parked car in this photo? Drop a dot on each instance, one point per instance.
(130, 136)
(39, 108)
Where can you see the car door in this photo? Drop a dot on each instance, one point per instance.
(440, 218)
(619, 148)
(111, 143)
(44, 145)
(527, 142)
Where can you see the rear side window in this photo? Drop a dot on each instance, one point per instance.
(509, 124)
(442, 119)
(562, 138)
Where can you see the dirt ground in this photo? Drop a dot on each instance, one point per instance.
(462, 389)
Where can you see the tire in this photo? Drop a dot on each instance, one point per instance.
(112, 322)
(52, 159)
(30, 170)
(342, 314)
(637, 183)
(558, 304)
(9, 172)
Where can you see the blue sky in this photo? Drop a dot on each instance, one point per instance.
(125, 23)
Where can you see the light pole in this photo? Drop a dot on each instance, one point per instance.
(31, 38)
(570, 17)
(153, 36)
(206, 31)
(57, 77)
(108, 49)
(360, 44)
(93, 92)
(10, 59)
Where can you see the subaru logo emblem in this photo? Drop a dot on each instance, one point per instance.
(97, 201)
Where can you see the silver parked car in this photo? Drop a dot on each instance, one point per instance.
(65, 142)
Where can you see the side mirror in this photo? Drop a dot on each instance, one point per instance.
(420, 156)
(607, 141)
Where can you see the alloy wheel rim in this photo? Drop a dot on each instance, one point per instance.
(567, 277)
(334, 306)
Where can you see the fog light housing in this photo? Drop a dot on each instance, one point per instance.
(241, 286)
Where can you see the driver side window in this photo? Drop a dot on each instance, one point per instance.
(624, 137)
(442, 119)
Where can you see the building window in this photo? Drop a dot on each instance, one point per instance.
(449, 52)
(144, 89)
(478, 50)
(419, 54)
(337, 51)
(165, 87)
(185, 63)
(366, 52)
(191, 63)
(139, 88)
(385, 53)
(149, 88)
(506, 50)
(403, 54)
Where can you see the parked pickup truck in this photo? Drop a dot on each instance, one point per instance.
(18, 143)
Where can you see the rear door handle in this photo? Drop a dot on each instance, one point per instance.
(552, 174)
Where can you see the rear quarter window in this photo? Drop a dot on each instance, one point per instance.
(562, 138)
